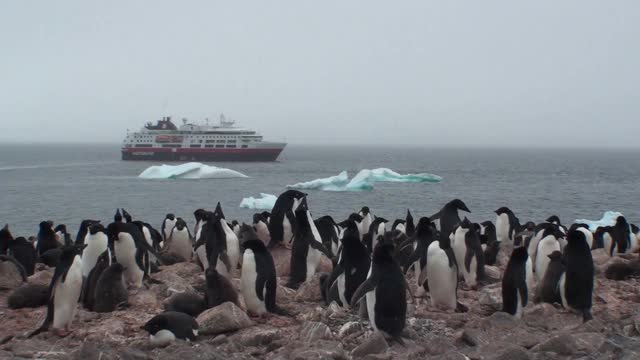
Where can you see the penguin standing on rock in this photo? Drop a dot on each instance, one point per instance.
(131, 250)
(506, 224)
(385, 290)
(110, 292)
(167, 225)
(97, 243)
(46, 238)
(64, 292)
(576, 284)
(258, 281)
(24, 253)
(424, 236)
(515, 292)
(5, 239)
(367, 219)
(219, 289)
(491, 245)
(442, 276)
(546, 246)
(329, 233)
(468, 250)
(548, 291)
(83, 230)
(179, 240)
(261, 226)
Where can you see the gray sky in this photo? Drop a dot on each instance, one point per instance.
(562, 73)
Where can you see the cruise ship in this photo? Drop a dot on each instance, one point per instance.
(198, 142)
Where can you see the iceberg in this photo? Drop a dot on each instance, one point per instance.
(264, 202)
(608, 219)
(192, 170)
(364, 180)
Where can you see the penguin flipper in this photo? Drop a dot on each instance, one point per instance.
(522, 289)
(333, 294)
(225, 260)
(320, 247)
(467, 259)
(367, 286)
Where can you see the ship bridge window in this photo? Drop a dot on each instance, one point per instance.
(231, 141)
(220, 141)
(210, 141)
(209, 146)
(171, 145)
(143, 145)
(231, 146)
(220, 146)
(245, 146)
(195, 145)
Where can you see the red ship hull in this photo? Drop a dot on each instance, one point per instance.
(200, 154)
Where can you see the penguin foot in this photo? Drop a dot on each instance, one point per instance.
(61, 332)
(461, 308)
(586, 315)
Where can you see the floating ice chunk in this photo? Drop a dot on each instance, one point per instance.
(364, 180)
(264, 202)
(192, 170)
(608, 219)
(333, 183)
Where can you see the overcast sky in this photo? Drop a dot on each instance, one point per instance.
(501, 73)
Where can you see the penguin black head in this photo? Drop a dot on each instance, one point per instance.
(117, 217)
(126, 215)
(621, 221)
(356, 217)
(5, 234)
(254, 245)
(555, 256)
(383, 253)
(70, 251)
(577, 226)
(199, 214)
(180, 224)
(218, 211)
(634, 228)
(553, 230)
(488, 224)
(46, 225)
(96, 228)
(459, 204)
(365, 211)
(266, 215)
(170, 217)
(258, 217)
(424, 225)
(503, 210)
(520, 254)
(61, 228)
(156, 324)
(117, 268)
(350, 232)
(554, 219)
(247, 232)
(466, 224)
(530, 226)
(577, 239)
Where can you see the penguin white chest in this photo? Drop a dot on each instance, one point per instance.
(162, 337)
(181, 244)
(233, 245)
(96, 245)
(313, 256)
(442, 278)
(125, 249)
(371, 305)
(546, 246)
(262, 230)
(66, 296)
(502, 227)
(248, 284)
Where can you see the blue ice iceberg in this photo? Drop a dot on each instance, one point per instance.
(608, 219)
(363, 181)
(264, 202)
(192, 170)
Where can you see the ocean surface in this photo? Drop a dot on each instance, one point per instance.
(68, 183)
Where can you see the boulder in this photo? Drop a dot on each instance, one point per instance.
(10, 275)
(374, 344)
(562, 345)
(223, 318)
(312, 331)
(309, 290)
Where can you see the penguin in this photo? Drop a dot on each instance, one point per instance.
(28, 296)
(598, 238)
(351, 268)
(91, 282)
(635, 239)
(258, 282)
(576, 283)
(97, 243)
(546, 246)
(442, 275)
(506, 224)
(621, 237)
(538, 234)
(247, 232)
(152, 237)
(213, 240)
(118, 217)
(607, 240)
(328, 230)
(62, 237)
(188, 303)
(199, 215)
(126, 216)
(168, 326)
(515, 292)
(110, 292)
(5, 239)
(219, 290)
(468, 251)
(22, 250)
(131, 250)
(282, 217)
(167, 225)
(399, 225)
(492, 245)
(307, 249)
(548, 290)
(385, 291)
(448, 216)
(64, 292)
(46, 238)
(376, 230)
(262, 228)
(231, 239)
(179, 240)
(584, 228)
(409, 227)
(82, 231)
(367, 219)
(424, 236)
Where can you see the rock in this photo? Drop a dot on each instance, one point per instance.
(259, 337)
(511, 353)
(285, 295)
(589, 342)
(310, 290)
(133, 354)
(349, 328)
(375, 344)
(472, 337)
(312, 331)
(223, 318)
(438, 345)
(282, 260)
(562, 344)
(491, 297)
(321, 350)
(325, 265)
(493, 272)
(88, 351)
(171, 283)
(500, 321)
(10, 276)
(42, 277)
(600, 257)
(144, 299)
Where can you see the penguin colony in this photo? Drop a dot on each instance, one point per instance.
(372, 258)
